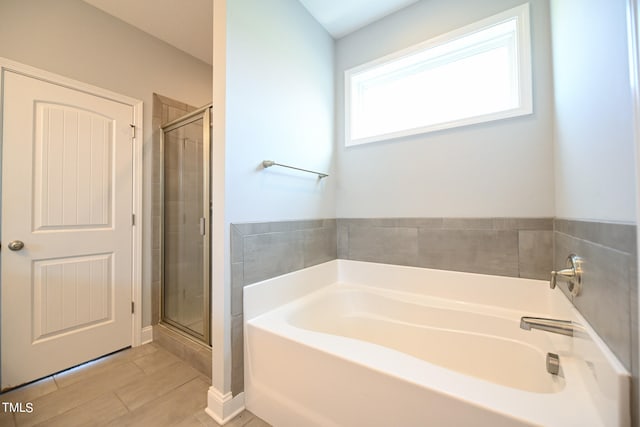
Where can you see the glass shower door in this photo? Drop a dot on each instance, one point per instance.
(185, 301)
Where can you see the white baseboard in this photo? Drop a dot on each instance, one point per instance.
(223, 408)
(147, 335)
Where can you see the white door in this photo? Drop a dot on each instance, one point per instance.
(67, 196)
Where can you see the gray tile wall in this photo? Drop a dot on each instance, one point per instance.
(260, 251)
(517, 247)
(610, 287)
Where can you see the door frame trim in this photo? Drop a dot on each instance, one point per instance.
(137, 120)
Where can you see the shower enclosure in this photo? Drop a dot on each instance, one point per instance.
(185, 295)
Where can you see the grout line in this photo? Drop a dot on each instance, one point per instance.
(121, 401)
(58, 386)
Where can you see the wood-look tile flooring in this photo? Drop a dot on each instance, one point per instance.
(142, 386)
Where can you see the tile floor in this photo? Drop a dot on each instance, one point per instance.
(142, 386)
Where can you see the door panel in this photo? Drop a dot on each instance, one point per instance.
(72, 180)
(67, 194)
(71, 293)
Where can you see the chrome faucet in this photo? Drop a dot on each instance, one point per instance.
(562, 327)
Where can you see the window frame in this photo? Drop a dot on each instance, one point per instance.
(523, 75)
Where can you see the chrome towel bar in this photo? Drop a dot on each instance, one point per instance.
(269, 163)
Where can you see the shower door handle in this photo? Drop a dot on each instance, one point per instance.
(203, 230)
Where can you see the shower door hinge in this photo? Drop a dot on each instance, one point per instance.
(132, 307)
(133, 131)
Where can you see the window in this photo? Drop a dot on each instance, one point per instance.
(478, 73)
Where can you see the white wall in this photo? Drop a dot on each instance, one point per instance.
(594, 146)
(76, 40)
(497, 169)
(279, 107)
(273, 70)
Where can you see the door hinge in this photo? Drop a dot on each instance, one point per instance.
(133, 131)
(133, 219)
(132, 307)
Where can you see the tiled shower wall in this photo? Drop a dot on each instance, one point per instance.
(519, 247)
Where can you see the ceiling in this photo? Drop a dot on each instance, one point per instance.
(341, 17)
(188, 24)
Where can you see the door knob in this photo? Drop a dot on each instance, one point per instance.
(16, 245)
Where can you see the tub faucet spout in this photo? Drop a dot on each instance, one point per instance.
(563, 327)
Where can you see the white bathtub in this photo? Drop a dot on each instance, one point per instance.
(352, 344)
